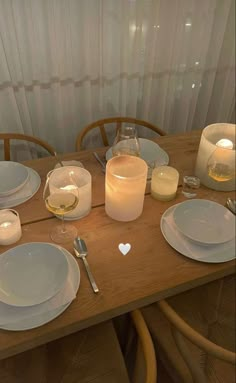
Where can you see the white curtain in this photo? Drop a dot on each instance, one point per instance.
(66, 63)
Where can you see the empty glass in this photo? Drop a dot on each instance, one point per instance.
(126, 142)
(191, 184)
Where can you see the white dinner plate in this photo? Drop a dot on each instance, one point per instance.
(205, 222)
(212, 254)
(25, 193)
(31, 273)
(35, 320)
(150, 151)
(13, 177)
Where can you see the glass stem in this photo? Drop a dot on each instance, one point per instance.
(63, 225)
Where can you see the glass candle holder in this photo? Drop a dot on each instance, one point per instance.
(10, 227)
(216, 153)
(164, 183)
(125, 187)
(83, 180)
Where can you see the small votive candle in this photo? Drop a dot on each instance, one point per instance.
(126, 178)
(164, 183)
(10, 227)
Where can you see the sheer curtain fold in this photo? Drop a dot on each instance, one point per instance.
(65, 63)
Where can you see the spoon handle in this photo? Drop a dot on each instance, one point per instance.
(90, 275)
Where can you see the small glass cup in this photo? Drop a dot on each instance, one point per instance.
(191, 184)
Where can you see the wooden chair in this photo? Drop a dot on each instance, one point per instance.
(203, 351)
(7, 137)
(118, 122)
(92, 355)
(145, 347)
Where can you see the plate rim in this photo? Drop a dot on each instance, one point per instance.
(19, 187)
(40, 319)
(207, 259)
(199, 241)
(143, 139)
(36, 181)
(52, 294)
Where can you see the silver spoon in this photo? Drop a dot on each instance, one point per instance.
(231, 205)
(81, 251)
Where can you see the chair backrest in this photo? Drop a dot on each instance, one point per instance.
(147, 347)
(182, 331)
(7, 137)
(118, 122)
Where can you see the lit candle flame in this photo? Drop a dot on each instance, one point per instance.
(69, 187)
(5, 224)
(225, 143)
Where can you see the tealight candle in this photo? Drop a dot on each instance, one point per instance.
(164, 183)
(10, 227)
(125, 187)
(225, 143)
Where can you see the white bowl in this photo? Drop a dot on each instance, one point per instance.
(150, 151)
(31, 273)
(13, 177)
(205, 222)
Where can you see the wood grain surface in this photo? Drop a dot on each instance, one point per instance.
(182, 151)
(151, 271)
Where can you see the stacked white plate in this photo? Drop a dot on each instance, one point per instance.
(18, 183)
(38, 281)
(200, 229)
(149, 152)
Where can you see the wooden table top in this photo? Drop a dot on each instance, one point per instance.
(182, 150)
(152, 270)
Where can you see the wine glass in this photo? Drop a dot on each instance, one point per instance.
(126, 142)
(61, 196)
(220, 166)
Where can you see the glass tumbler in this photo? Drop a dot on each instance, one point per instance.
(164, 183)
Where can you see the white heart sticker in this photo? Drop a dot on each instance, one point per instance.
(124, 248)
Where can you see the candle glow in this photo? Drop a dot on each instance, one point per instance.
(221, 151)
(10, 227)
(164, 183)
(225, 143)
(125, 187)
(5, 224)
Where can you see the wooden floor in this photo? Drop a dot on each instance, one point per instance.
(89, 356)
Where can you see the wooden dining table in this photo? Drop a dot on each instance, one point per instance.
(151, 271)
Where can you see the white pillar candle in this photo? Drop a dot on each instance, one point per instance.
(214, 137)
(59, 180)
(10, 227)
(164, 183)
(125, 187)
